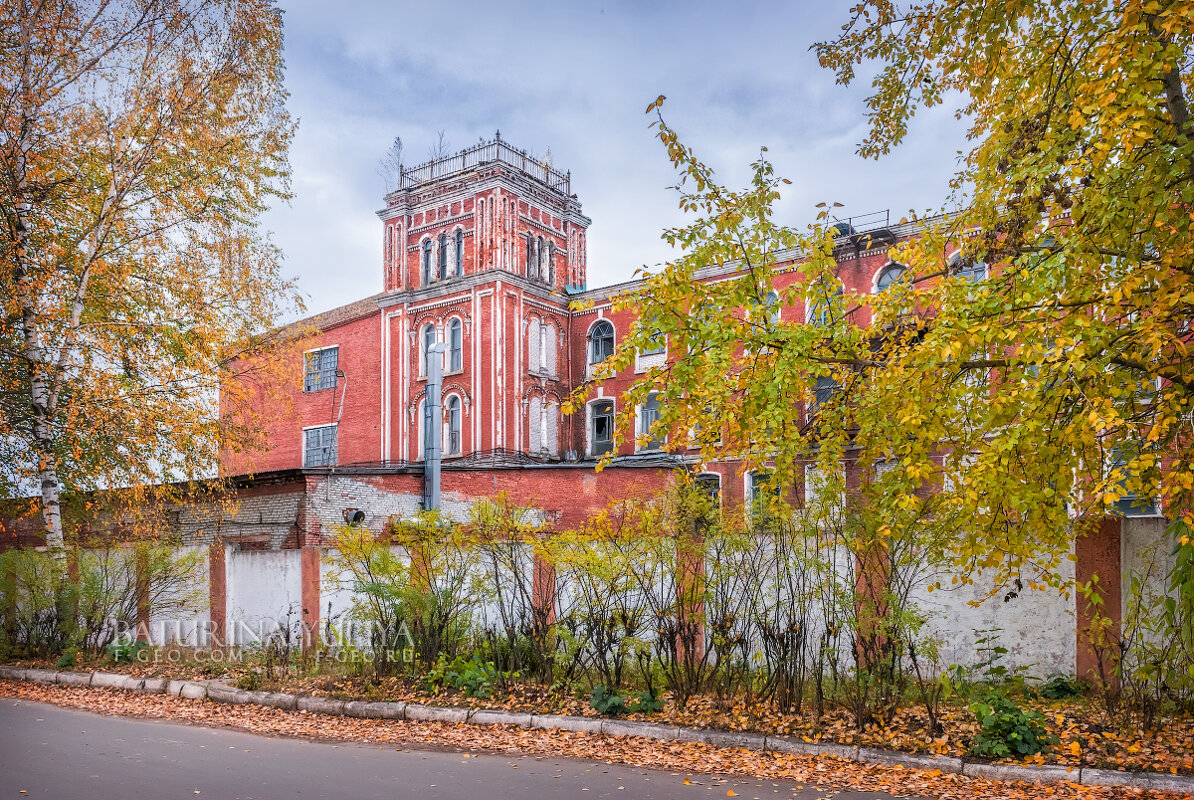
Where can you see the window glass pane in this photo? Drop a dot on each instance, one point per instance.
(457, 346)
(603, 428)
(320, 446)
(459, 253)
(890, 274)
(602, 344)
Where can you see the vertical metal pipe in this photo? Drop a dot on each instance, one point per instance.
(433, 426)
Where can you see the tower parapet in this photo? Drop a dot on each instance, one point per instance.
(488, 207)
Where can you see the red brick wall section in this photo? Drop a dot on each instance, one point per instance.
(1098, 555)
(311, 595)
(217, 578)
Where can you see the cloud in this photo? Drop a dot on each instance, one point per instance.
(575, 78)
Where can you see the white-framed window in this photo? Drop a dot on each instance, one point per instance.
(601, 427)
(760, 494)
(320, 371)
(1130, 502)
(648, 415)
(452, 421)
(889, 275)
(709, 483)
(455, 345)
(774, 311)
(601, 341)
(319, 446)
(426, 263)
(542, 365)
(427, 337)
(821, 304)
(654, 346)
(973, 271)
(824, 391)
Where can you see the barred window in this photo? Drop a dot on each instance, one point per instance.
(321, 369)
(319, 446)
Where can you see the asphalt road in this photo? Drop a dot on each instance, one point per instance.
(52, 752)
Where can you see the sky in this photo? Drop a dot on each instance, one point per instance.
(575, 79)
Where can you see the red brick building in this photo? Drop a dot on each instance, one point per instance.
(484, 251)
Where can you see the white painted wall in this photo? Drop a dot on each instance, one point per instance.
(1037, 626)
(263, 588)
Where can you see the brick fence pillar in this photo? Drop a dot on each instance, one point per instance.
(217, 586)
(141, 567)
(1097, 550)
(311, 595)
(543, 588)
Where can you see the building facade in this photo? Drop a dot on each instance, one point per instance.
(485, 252)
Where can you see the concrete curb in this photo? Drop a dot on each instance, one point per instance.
(222, 693)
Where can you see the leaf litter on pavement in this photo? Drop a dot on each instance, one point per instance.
(681, 757)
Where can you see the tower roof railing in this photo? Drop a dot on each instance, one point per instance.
(485, 153)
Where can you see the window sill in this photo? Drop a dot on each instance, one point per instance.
(317, 391)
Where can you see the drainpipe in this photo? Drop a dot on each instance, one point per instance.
(433, 426)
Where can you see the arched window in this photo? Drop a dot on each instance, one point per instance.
(542, 349)
(426, 262)
(455, 345)
(452, 443)
(426, 340)
(550, 275)
(601, 342)
(443, 256)
(889, 275)
(459, 252)
(973, 271)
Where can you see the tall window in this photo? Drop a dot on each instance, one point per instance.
(427, 263)
(549, 275)
(455, 345)
(761, 494)
(821, 304)
(648, 416)
(773, 309)
(320, 370)
(319, 446)
(453, 442)
(426, 340)
(890, 274)
(601, 342)
(530, 256)
(601, 431)
(460, 252)
(443, 256)
(540, 252)
(542, 349)
(826, 388)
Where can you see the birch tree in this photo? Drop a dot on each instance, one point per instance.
(140, 142)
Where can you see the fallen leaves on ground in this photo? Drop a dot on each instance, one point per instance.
(688, 757)
(1089, 735)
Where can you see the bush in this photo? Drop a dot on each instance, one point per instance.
(1007, 730)
(125, 652)
(612, 704)
(474, 677)
(1060, 687)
